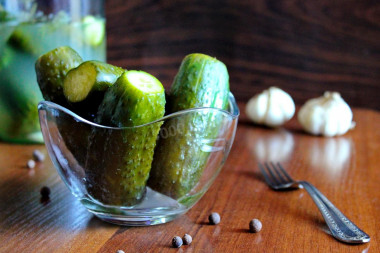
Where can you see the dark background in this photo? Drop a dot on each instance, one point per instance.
(303, 47)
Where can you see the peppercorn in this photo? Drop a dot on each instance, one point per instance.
(45, 192)
(177, 242)
(255, 226)
(38, 156)
(31, 164)
(187, 239)
(214, 218)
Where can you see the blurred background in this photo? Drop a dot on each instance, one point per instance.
(303, 47)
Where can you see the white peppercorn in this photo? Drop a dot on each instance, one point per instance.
(187, 239)
(31, 164)
(255, 226)
(214, 218)
(38, 156)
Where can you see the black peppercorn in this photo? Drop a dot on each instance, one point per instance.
(214, 218)
(45, 192)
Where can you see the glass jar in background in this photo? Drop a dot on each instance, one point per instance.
(29, 28)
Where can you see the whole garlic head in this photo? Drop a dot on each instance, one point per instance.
(272, 107)
(328, 115)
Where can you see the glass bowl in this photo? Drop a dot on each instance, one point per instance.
(116, 175)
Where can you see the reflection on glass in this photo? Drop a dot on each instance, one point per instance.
(332, 154)
(274, 146)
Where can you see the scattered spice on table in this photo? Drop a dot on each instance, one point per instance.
(45, 192)
(214, 218)
(187, 239)
(255, 226)
(31, 164)
(177, 242)
(38, 156)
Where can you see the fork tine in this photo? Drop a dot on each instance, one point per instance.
(284, 172)
(280, 176)
(274, 178)
(266, 176)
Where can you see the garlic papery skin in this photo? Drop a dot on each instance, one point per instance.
(272, 107)
(328, 115)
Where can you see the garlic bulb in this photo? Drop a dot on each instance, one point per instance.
(272, 107)
(328, 115)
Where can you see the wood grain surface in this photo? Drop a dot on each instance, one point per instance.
(303, 47)
(345, 169)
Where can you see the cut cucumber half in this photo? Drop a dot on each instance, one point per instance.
(84, 87)
(79, 83)
(88, 77)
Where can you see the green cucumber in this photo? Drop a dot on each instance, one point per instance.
(7, 55)
(94, 30)
(85, 85)
(202, 81)
(179, 158)
(5, 16)
(119, 178)
(23, 39)
(51, 69)
(89, 77)
(19, 97)
(22, 42)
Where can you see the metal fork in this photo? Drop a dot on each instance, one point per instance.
(340, 226)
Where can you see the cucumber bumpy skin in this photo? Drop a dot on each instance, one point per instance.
(51, 69)
(179, 158)
(119, 177)
(84, 86)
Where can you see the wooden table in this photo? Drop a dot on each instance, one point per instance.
(345, 169)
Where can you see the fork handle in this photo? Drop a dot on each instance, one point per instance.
(340, 226)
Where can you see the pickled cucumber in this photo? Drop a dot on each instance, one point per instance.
(85, 85)
(94, 30)
(119, 178)
(179, 158)
(51, 69)
(21, 42)
(5, 16)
